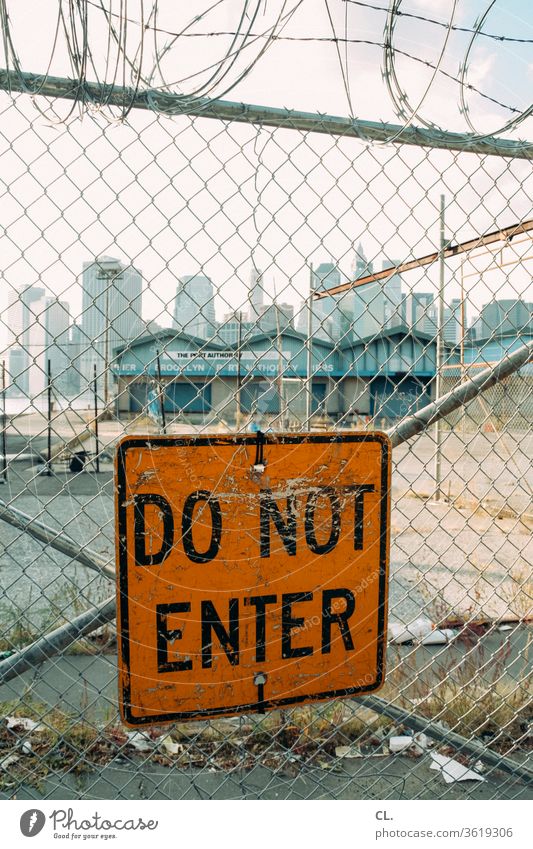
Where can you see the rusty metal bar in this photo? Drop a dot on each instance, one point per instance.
(504, 235)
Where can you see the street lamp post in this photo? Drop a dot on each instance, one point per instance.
(239, 378)
(440, 353)
(110, 275)
(309, 352)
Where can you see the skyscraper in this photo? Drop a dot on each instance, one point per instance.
(393, 307)
(111, 310)
(452, 322)
(360, 264)
(323, 310)
(421, 313)
(377, 305)
(26, 340)
(256, 294)
(276, 316)
(194, 306)
(57, 345)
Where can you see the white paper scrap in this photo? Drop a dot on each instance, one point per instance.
(348, 752)
(23, 723)
(140, 741)
(452, 770)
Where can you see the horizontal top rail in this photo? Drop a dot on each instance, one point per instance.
(226, 110)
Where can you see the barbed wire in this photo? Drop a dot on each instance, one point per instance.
(453, 27)
(399, 95)
(399, 98)
(129, 60)
(124, 62)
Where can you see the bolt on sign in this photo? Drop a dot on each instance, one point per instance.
(252, 571)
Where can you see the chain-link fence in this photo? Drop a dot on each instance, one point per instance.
(167, 275)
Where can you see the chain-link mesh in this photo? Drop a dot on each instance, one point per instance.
(162, 276)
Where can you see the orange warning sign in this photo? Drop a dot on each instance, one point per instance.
(252, 571)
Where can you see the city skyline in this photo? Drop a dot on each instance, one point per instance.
(381, 300)
(41, 327)
(325, 273)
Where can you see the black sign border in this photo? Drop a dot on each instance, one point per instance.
(122, 572)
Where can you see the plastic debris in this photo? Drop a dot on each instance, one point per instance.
(452, 770)
(505, 628)
(400, 744)
(171, 747)
(6, 762)
(23, 723)
(348, 752)
(438, 637)
(420, 743)
(7, 653)
(355, 752)
(407, 744)
(415, 630)
(140, 741)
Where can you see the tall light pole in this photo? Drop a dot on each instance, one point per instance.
(110, 275)
(3, 477)
(463, 335)
(309, 352)
(239, 379)
(439, 354)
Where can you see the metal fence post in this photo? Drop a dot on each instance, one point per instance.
(439, 353)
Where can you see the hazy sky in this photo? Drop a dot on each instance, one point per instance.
(176, 196)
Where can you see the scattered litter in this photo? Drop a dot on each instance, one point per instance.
(6, 762)
(23, 723)
(479, 766)
(420, 743)
(413, 746)
(422, 630)
(140, 741)
(505, 628)
(438, 637)
(400, 744)
(355, 752)
(348, 752)
(26, 748)
(396, 731)
(170, 747)
(452, 770)
(415, 630)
